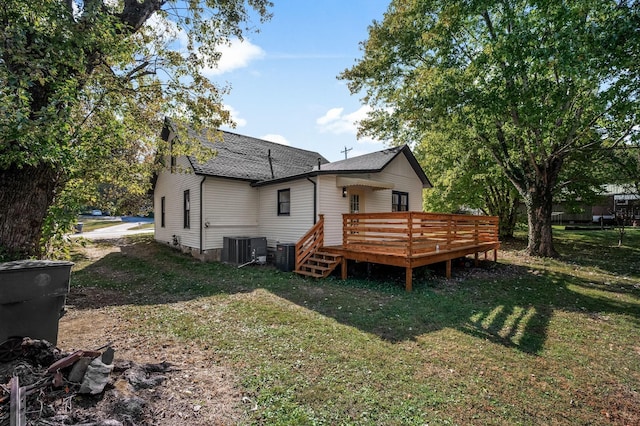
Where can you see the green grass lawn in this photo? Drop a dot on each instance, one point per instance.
(142, 226)
(90, 224)
(524, 341)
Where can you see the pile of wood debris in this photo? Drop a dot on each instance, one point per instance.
(40, 385)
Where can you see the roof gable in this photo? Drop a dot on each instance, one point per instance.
(376, 162)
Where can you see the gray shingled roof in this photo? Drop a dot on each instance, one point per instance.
(247, 158)
(244, 157)
(375, 162)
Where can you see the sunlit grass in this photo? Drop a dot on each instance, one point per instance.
(93, 224)
(529, 341)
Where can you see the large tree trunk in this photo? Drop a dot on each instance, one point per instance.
(25, 196)
(539, 203)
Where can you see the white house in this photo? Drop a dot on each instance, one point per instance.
(256, 188)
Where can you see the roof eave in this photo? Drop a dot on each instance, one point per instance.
(244, 179)
(416, 167)
(314, 173)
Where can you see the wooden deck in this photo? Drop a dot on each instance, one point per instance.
(414, 239)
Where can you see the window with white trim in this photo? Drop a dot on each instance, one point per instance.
(284, 202)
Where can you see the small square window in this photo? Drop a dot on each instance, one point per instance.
(284, 202)
(399, 201)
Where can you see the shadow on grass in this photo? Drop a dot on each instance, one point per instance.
(505, 304)
(600, 249)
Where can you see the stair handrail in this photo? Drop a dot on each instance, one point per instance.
(310, 242)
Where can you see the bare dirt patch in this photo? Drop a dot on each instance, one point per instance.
(194, 390)
(197, 391)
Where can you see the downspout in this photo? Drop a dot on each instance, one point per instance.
(201, 215)
(315, 195)
(315, 199)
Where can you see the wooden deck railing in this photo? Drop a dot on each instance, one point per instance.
(416, 234)
(311, 242)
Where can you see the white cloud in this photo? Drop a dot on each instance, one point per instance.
(277, 139)
(235, 116)
(167, 31)
(234, 56)
(237, 54)
(337, 122)
(331, 116)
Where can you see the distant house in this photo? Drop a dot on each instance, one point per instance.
(613, 201)
(256, 188)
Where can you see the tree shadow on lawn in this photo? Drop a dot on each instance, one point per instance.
(506, 304)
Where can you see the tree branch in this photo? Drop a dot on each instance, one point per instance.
(487, 20)
(136, 12)
(142, 66)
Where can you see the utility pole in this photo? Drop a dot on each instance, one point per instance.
(346, 151)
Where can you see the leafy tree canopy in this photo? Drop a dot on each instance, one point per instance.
(539, 84)
(84, 87)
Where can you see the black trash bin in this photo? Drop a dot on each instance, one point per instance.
(32, 298)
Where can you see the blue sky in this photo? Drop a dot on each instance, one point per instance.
(283, 79)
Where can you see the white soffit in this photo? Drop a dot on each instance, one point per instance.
(342, 181)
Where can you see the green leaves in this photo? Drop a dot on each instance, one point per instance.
(85, 87)
(534, 83)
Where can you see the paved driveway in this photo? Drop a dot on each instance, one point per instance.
(122, 229)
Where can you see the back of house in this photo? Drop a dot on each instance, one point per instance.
(254, 190)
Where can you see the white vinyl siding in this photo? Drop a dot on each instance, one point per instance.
(230, 210)
(332, 204)
(286, 229)
(172, 187)
(400, 172)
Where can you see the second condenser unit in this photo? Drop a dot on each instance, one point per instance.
(286, 257)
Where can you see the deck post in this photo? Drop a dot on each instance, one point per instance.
(495, 255)
(475, 262)
(408, 285)
(343, 268)
(410, 234)
(476, 233)
(345, 239)
(448, 269)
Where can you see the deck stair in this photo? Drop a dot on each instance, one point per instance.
(319, 264)
(311, 259)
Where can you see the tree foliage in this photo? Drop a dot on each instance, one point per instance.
(84, 87)
(466, 179)
(537, 84)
